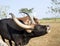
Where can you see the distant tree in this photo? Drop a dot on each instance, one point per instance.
(3, 11)
(55, 8)
(26, 10)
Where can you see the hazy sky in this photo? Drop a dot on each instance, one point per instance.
(40, 6)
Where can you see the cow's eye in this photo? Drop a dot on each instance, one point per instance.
(43, 26)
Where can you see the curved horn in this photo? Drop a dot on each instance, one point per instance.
(30, 17)
(20, 24)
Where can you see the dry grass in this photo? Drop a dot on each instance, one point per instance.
(50, 39)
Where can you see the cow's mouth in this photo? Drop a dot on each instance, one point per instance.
(48, 29)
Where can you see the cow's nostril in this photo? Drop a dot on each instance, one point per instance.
(48, 28)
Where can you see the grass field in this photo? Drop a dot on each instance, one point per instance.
(50, 39)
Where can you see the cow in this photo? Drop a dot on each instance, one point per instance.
(15, 30)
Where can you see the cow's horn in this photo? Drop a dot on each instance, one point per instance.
(21, 24)
(30, 17)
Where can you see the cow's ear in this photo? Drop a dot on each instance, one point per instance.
(36, 20)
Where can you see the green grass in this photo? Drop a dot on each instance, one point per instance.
(50, 20)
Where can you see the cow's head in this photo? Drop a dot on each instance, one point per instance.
(34, 27)
(41, 30)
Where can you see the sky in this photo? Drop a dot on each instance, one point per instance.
(40, 7)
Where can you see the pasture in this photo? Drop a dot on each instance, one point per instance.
(50, 39)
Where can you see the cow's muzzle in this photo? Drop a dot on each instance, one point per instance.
(48, 28)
